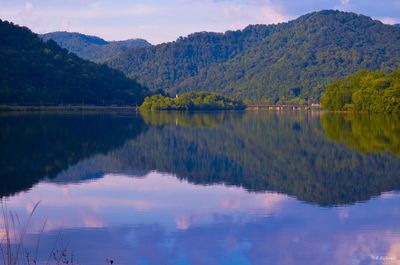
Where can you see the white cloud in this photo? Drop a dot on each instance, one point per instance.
(28, 7)
(389, 20)
(65, 25)
(345, 2)
(160, 21)
(244, 13)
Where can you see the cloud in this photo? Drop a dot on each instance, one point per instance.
(389, 20)
(345, 2)
(65, 25)
(160, 21)
(252, 12)
(28, 7)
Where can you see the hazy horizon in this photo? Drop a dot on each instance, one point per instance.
(160, 21)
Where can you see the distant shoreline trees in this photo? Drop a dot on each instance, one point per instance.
(372, 92)
(38, 73)
(191, 101)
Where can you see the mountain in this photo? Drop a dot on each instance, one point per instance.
(276, 62)
(35, 72)
(93, 48)
(168, 64)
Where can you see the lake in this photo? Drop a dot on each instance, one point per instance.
(203, 188)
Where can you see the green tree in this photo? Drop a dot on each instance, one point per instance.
(34, 72)
(373, 92)
(191, 101)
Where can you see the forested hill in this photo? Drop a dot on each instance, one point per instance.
(289, 60)
(93, 48)
(168, 64)
(33, 72)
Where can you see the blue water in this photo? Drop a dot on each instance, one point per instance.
(212, 188)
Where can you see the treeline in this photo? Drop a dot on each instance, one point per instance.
(373, 92)
(191, 101)
(284, 63)
(276, 63)
(34, 72)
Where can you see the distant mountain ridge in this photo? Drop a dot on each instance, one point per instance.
(299, 58)
(34, 72)
(273, 62)
(93, 48)
(276, 63)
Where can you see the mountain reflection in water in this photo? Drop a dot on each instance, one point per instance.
(207, 188)
(286, 153)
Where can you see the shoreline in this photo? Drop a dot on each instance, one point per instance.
(5, 108)
(134, 109)
(72, 108)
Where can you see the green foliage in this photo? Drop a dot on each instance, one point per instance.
(191, 101)
(92, 48)
(365, 133)
(165, 65)
(288, 60)
(33, 72)
(373, 92)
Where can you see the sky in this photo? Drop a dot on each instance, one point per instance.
(161, 21)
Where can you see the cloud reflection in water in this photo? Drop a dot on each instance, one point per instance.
(158, 219)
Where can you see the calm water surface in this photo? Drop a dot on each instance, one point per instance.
(211, 188)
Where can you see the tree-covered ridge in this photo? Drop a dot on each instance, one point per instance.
(275, 62)
(365, 133)
(165, 65)
(91, 47)
(374, 92)
(33, 72)
(191, 101)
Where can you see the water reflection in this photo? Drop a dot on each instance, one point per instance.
(260, 152)
(184, 119)
(365, 133)
(286, 153)
(210, 188)
(35, 147)
(158, 219)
